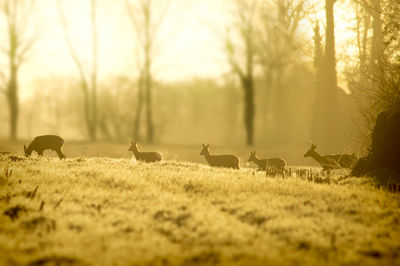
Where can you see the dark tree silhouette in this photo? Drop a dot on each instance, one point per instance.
(325, 112)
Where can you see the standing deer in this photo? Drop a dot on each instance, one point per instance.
(148, 157)
(45, 142)
(227, 161)
(262, 164)
(331, 161)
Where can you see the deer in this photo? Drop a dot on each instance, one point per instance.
(148, 157)
(331, 161)
(227, 161)
(45, 142)
(262, 164)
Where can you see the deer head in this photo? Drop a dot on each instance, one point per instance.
(133, 146)
(204, 149)
(252, 156)
(311, 150)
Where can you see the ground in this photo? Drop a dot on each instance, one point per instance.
(106, 211)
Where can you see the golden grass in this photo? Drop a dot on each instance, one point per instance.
(104, 211)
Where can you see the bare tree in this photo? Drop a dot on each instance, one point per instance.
(88, 79)
(279, 51)
(242, 58)
(17, 14)
(146, 27)
(377, 85)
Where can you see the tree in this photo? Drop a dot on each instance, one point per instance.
(88, 81)
(241, 58)
(17, 14)
(146, 27)
(325, 111)
(379, 80)
(280, 50)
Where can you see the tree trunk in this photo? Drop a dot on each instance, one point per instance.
(12, 96)
(147, 73)
(139, 107)
(330, 63)
(148, 97)
(93, 111)
(249, 108)
(325, 110)
(12, 86)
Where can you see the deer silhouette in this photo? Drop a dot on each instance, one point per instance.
(262, 164)
(148, 157)
(45, 142)
(327, 163)
(331, 161)
(227, 161)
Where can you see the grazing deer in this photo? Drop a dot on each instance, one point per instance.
(331, 161)
(45, 142)
(227, 161)
(148, 157)
(277, 163)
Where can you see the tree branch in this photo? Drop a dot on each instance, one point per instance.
(162, 17)
(231, 58)
(134, 21)
(24, 49)
(70, 45)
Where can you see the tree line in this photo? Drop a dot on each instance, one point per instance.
(287, 78)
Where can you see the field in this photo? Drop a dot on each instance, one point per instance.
(117, 211)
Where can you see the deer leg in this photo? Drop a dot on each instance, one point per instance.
(60, 154)
(40, 152)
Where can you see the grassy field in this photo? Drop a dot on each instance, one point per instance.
(116, 211)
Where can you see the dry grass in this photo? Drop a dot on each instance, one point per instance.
(105, 211)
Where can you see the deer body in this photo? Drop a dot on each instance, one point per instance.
(331, 161)
(344, 160)
(45, 142)
(262, 164)
(147, 157)
(227, 161)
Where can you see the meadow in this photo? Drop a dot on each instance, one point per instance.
(116, 211)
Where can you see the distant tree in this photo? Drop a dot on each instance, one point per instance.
(17, 15)
(88, 79)
(280, 50)
(146, 26)
(242, 58)
(116, 98)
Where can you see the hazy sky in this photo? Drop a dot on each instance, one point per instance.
(190, 45)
